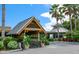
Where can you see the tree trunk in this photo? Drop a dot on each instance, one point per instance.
(61, 21)
(75, 24)
(3, 21)
(57, 29)
(70, 24)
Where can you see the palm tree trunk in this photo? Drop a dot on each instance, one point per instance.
(57, 29)
(75, 24)
(70, 24)
(61, 21)
(3, 21)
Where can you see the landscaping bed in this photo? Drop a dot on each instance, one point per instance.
(70, 40)
(11, 43)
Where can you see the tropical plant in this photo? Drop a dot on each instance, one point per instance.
(43, 39)
(75, 13)
(0, 38)
(51, 39)
(61, 15)
(12, 45)
(7, 40)
(27, 40)
(56, 12)
(1, 45)
(72, 10)
(66, 24)
(68, 10)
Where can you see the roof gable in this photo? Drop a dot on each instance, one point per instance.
(22, 25)
(33, 24)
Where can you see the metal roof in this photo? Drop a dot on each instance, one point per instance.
(60, 30)
(19, 26)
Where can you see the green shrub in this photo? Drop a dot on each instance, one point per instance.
(44, 39)
(46, 42)
(12, 45)
(0, 38)
(7, 40)
(51, 39)
(27, 39)
(1, 45)
(75, 35)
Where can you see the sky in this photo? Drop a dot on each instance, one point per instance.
(19, 12)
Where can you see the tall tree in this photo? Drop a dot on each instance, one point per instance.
(61, 15)
(66, 24)
(75, 14)
(54, 11)
(68, 10)
(3, 21)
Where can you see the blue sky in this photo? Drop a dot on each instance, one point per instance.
(18, 12)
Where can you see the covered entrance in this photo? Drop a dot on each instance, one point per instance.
(34, 34)
(30, 26)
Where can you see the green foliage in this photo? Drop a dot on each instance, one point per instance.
(28, 42)
(7, 40)
(46, 42)
(12, 45)
(27, 39)
(51, 39)
(66, 24)
(1, 45)
(72, 10)
(44, 39)
(75, 35)
(0, 38)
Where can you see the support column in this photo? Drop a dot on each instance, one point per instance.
(38, 36)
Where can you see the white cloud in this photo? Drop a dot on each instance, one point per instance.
(48, 26)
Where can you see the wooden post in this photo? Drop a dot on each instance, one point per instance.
(38, 36)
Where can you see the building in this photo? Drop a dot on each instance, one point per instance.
(30, 26)
(54, 32)
(7, 29)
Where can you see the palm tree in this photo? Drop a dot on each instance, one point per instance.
(3, 21)
(61, 15)
(54, 11)
(75, 13)
(68, 10)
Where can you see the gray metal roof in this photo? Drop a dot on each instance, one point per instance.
(19, 26)
(60, 30)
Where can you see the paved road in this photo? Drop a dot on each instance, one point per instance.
(53, 48)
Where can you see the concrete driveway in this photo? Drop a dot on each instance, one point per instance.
(53, 48)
